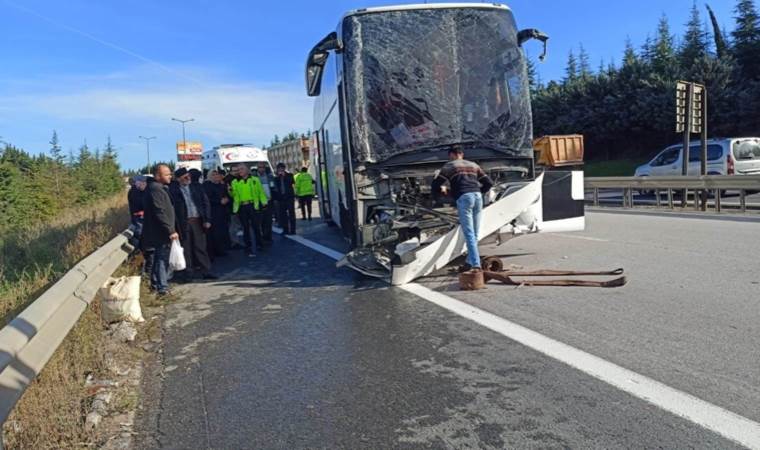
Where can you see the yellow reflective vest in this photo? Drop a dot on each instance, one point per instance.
(247, 191)
(304, 184)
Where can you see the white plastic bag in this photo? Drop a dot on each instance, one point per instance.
(176, 257)
(121, 300)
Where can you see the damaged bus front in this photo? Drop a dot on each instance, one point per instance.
(396, 88)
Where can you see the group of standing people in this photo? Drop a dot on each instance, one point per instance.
(206, 217)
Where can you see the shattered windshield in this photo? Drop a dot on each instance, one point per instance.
(428, 78)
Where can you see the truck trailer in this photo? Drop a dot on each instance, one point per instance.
(395, 88)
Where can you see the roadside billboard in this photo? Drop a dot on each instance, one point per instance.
(192, 148)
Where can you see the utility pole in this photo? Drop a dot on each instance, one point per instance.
(183, 122)
(147, 145)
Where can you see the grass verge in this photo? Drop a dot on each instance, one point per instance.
(51, 413)
(615, 168)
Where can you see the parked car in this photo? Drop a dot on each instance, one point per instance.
(726, 156)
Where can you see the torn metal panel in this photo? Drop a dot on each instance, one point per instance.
(518, 210)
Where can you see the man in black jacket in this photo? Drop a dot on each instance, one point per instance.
(193, 212)
(219, 198)
(159, 227)
(285, 196)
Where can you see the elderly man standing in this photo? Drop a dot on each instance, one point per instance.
(159, 227)
(193, 219)
(248, 198)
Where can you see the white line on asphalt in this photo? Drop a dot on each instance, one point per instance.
(583, 238)
(714, 418)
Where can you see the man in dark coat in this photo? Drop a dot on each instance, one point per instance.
(284, 194)
(219, 198)
(159, 227)
(193, 212)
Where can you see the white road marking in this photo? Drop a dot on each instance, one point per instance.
(583, 238)
(714, 418)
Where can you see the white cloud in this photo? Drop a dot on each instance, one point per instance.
(224, 111)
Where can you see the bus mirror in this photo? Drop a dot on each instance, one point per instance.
(315, 64)
(532, 33)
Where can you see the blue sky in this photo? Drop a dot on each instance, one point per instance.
(94, 68)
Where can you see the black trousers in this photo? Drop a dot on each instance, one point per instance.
(304, 202)
(195, 246)
(286, 215)
(266, 222)
(219, 235)
(250, 218)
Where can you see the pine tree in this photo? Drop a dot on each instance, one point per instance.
(694, 45)
(663, 57)
(571, 70)
(630, 58)
(56, 152)
(532, 75)
(720, 40)
(585, 66)
(746, 36)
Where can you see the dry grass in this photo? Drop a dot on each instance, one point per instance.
(51, 413)
(32, 258)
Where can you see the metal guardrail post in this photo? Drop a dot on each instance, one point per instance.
(717, 200)
(696, 200)
(743, 200)
(670, 198)
(657, 198)
(596, 196)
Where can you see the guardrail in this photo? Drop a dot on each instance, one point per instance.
(716, 185)
(31, 338)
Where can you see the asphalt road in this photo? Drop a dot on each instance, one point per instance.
(286, 351)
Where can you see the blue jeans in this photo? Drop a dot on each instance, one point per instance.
(469, 206)
(159, 277)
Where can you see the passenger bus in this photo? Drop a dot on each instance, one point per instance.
(395, 88)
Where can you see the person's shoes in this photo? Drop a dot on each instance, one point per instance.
(464, 268)
(163, 294)
(251, 254)
(210, 276)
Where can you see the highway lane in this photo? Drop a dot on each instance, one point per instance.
(688, 317)
(287, 351)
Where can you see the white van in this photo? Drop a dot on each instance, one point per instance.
(729, 156)
(228, 155)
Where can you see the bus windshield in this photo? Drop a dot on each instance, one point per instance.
(429, 78)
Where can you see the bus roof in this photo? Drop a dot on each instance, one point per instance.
(416, 6)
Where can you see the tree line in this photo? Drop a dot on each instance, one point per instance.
(35, 188)
(628, 110)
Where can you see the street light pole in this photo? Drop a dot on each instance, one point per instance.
(147, 145)
(183, 122)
